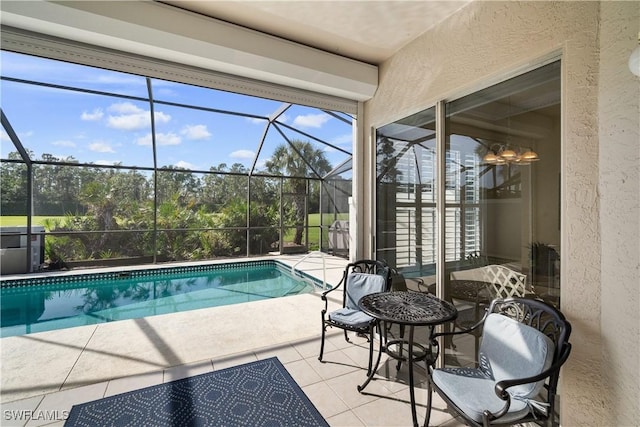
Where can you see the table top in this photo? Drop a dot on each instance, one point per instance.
(408, 308)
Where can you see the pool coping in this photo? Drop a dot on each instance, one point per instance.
(111, 273)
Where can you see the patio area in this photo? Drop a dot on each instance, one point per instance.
(45, 374)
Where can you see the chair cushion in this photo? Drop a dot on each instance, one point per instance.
(350, 317)
(361, 284)
(473, 392)
(509, 350)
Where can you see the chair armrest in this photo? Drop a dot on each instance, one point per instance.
(463, 331)
(502, 386)
(323, 296)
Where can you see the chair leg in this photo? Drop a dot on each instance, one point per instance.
(370, 349)
(429, 397)
(400, 350)
(324, 329)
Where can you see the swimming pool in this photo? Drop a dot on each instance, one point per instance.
(64, 301)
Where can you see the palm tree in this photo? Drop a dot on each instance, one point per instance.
(297, 160)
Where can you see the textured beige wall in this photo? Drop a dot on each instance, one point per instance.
(487, 42)
(619, 188)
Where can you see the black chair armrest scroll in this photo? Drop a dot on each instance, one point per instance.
(464, 330)
(323, 296)
(502, 386)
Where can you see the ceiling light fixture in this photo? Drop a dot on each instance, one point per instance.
(501, 154)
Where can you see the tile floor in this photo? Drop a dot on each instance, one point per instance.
(45, 374)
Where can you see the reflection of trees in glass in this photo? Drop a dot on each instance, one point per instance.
(387, 161)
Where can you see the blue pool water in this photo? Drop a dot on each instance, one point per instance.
(45, 304)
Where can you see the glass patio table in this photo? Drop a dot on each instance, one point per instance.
(407, 309)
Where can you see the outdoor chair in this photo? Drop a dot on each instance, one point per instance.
(524, 344)
(360, 278)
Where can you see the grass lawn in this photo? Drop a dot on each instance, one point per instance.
(314, 232)
(314, 222)
(21, 221)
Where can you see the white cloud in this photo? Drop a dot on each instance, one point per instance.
(125, 108)
(255, 120)
(127, 116)
(185, 165)
(283, 118)
(345, 140)
(161, 139)
(107, 162)
(311, 120)
(101, 147)
(63, 143)
(117, 79)
(242, 154)
(93, 116)
(195, 132)
(22, 135)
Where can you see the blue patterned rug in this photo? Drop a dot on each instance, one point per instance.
(260, 393)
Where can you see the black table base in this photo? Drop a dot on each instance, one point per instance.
(408, 309)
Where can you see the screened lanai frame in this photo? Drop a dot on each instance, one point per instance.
(331, 185)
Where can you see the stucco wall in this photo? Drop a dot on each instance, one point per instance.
(619, 188)
(487, 42)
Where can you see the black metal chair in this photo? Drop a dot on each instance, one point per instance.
(360, 278)
(524, 344)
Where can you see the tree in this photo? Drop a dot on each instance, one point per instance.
(220, 189)
(13, 186)
(297, 160)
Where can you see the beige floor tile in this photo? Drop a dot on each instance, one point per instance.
(324, 399)
(346, 387)
(188, 370)
(334, 364)
(133, 382)
(233, 360)
(451, 422)
(16, 413)
(58, 403)
(284, 352)
(345, 419)
(311, 348)
(385, 412)
(359, 353)
(302, 373)
(39, 363)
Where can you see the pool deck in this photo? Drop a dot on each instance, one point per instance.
(44, 374)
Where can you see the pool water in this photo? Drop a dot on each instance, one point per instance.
(37, 305)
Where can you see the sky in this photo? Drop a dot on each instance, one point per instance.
(99, 129)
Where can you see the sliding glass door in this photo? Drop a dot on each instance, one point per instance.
(500, 218)
(406, 195)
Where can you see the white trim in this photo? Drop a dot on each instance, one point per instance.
(156, 33)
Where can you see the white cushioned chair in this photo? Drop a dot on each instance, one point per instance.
(360, 278)
(524, 344)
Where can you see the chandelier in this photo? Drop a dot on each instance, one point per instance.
(501, 155)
